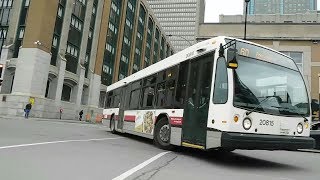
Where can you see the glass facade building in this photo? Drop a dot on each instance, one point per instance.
(281, 6)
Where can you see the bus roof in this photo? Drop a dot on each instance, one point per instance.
(188, 53)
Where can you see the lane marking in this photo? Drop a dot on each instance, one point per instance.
(56, 142)
(140, 166)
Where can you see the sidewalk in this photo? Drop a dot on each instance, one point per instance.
(43, 119)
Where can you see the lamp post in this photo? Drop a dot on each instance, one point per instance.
(245, 21)
(170, 35)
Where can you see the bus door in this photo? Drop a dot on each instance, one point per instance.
(123, 100)
(194, 128)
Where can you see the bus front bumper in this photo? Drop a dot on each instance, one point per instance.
(265, 142)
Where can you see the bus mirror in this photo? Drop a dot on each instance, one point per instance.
(232, 58)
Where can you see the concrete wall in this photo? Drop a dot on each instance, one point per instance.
(261, 31)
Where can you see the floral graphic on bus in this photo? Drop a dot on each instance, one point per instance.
(138, 123)
(144, 122)
(148, 122)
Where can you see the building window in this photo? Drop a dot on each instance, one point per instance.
(66, 93)
(297, 58)
(111, 42)
(57, 32)
(128, 33)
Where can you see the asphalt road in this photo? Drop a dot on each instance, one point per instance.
(44, 150)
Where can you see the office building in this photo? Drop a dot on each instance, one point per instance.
(62, 54)
(280, 6)
(179, 18)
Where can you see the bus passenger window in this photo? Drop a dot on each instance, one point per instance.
(148, 96)
(220, 95)
(170, 88)
(116, 102)
(108, 105)
(182, 85)
(134, 99)
(161, 95)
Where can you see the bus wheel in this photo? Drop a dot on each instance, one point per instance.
(112, 125)
(162, 134)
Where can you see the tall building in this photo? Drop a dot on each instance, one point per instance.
(179, 18)
(62, 54)
(280, 6)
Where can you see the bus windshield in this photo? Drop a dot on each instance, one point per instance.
(269, 88)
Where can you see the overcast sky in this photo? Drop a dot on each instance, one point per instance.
(226, 7)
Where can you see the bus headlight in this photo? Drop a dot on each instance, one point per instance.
(300, 128)
(247, 123)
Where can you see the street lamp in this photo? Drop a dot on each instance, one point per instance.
(170, 35)
(245, 21)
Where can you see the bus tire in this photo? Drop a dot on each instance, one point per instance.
(162, 134)
(112, 125)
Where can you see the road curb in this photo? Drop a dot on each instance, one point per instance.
(310, 150)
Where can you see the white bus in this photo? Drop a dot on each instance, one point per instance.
(222, 93)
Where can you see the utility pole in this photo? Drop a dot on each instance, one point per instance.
(245, 21)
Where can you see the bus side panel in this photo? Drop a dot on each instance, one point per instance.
(142, 122)
(107, 113)
(175, 119)
(213, 139)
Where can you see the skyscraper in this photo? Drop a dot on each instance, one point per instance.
(179, 18)
(280, 6)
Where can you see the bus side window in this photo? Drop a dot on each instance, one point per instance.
(109, 99)
(148, 91)
(161, 94)
(116, 101)
(117, 98)
(148, 96)
(220, 95)
(134, 99)
(182, 85)
(135, 95)
(170, 89)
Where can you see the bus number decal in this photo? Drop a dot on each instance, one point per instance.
(244, 52)
(264, 122)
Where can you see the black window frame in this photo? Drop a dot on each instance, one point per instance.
(214, 91)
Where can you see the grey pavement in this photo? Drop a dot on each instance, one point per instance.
(108, 158)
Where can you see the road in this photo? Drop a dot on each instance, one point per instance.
(45, 150)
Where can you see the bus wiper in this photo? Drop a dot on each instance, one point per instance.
(285, 108)
(259, 105)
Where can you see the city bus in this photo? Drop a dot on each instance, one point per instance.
(222, 93)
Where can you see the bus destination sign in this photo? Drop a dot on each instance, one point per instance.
(256, 52)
